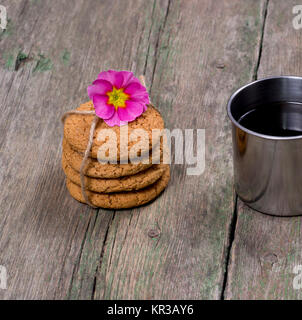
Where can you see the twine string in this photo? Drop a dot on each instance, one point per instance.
(89, 144)
(86, 155)
(87, 151)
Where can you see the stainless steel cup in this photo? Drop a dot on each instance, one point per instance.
(267, 169)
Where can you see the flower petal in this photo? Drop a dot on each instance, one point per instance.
(142, 99)
(107, 75)
(102, 109)
(99, 87)
(104, 75)
(115, 121)
(127, 76)
(116, 78)
(135, 88)
(131, 112)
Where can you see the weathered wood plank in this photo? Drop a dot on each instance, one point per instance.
(266, 249)
(44, 233)
(137, 55)
(176, 247)
(264, 253)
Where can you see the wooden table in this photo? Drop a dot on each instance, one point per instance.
(195, 241)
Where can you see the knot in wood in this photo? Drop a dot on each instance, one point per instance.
(153, 233)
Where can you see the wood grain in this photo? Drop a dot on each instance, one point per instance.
(176, 247)
(266, 249)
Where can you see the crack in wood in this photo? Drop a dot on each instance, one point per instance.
(23, 8)
(101, 256)
(233, 224)
(255, 75)
(76, 266)
(231, 239)
(149, 36)
(161, 29)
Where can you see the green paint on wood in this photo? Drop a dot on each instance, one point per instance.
(21, 57)
(43, 64)
(9, 61)
(66, 57)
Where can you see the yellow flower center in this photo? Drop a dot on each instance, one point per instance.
(117, 97)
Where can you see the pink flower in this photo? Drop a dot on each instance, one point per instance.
(118, 97)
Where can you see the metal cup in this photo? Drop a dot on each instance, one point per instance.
(267, 169)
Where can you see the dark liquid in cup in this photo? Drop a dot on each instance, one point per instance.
(282, 119)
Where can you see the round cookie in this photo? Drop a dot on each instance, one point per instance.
(129, 183)
(95, 169)
(77, 128)
(122, 200)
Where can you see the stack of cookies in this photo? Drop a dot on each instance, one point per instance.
(114, 185)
